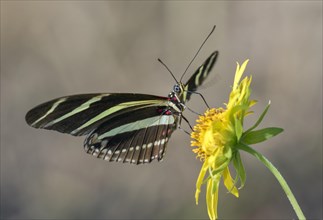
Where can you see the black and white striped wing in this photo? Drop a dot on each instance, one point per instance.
(200, 75)
(113, 122)
(141, 138)
(81, 114)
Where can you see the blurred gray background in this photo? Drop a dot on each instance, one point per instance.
(54, 48)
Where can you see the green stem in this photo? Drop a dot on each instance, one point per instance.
(278, 176)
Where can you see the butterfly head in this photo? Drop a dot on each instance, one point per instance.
(176, 95)
(177, 89)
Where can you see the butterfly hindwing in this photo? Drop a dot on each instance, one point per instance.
(141, 138)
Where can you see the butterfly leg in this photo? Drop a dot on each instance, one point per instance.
(185, 119)
(191, 110)
(180, 122)
(186, 132)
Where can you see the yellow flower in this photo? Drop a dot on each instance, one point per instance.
(219, 137)
(215, 136)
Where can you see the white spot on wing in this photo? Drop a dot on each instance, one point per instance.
(95, 153)
(104, 151)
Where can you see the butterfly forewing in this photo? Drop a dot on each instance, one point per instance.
(200, 75)
(80, 114)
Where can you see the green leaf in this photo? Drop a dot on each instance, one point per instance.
(259, 119)
(238, 128)
(227, 153)
(220, 168)
(261, 135)
(238, 165)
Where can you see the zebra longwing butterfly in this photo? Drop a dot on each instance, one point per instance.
(125, 127)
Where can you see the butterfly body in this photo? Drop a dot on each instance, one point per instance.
(123, 127)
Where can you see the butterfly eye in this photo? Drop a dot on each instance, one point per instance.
(177, 89)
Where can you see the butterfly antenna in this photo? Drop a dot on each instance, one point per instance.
(168, 70)
(197, 52)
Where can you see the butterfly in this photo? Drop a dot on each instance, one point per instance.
(124, 127)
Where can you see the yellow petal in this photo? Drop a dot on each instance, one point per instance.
(200, 181)
(229, 183)
(236, 77)
(212, 197)
(252, 103)
(239, 72)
